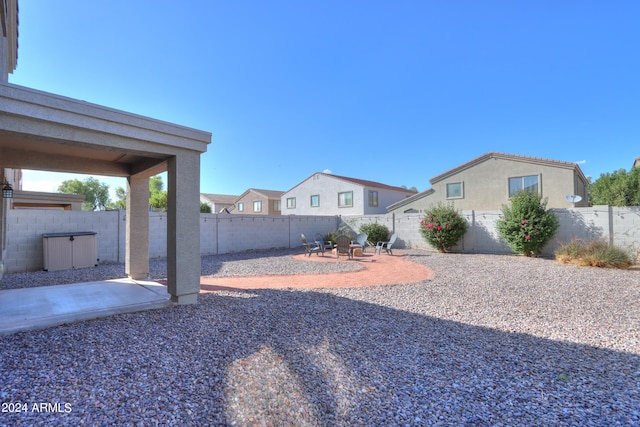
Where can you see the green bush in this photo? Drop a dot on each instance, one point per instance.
(596, 253)
(375, 232)
(527, 225)
(443, 227)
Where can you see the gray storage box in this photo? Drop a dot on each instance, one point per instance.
(64, 251)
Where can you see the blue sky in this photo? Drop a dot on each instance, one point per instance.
(396, 92)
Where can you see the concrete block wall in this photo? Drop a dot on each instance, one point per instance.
(619, 226)
(309, 226)
(625, 227)
(224, 233)
(157, 234)
(25, 228)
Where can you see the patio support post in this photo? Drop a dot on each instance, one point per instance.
(137, 228)
(183, 227)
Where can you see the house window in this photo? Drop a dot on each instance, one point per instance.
(345, 199)
(257, 206)
(454, 190)
(373, 199)
(315, 201)
(523, 183)
(240, 207)
(291, 202)
(276, 205)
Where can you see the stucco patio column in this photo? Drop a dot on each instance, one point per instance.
(183, 227)
(137, 226)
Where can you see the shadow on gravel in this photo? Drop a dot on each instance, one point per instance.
(269, 357)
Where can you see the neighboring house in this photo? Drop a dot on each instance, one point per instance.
(41, 200)
(636, 162)
(218, 202)
(258, 202)
(487, 183)
(327, 194)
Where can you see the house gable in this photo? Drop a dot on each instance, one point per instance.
(258, 202)
(328, 194)
(483, 183)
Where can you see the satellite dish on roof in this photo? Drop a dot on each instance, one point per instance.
(573, 198)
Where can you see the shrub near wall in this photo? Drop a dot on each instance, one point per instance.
(526, 225)
(443, 227)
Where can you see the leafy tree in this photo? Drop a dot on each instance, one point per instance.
(121, 199)
(443, 227)
(620, 188)
(96, 193)
(205, 207)
(158, 200)
(375, 232)
(155, 184)
(157, 197)
(527, 225)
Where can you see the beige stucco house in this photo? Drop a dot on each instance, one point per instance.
(328, 194)
(487, 182)
(258, 202)
(44, 131)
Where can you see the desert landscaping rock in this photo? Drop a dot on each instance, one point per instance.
(489, 340)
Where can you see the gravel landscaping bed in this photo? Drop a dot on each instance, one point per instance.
(272, 262)
(491, 340)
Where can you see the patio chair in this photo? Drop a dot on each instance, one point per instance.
(387, 245)
(362, 240)
(343, 246)
(319, 238)
(309, 248)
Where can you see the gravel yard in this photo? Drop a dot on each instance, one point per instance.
(491, 340)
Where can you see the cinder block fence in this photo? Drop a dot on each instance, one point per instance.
(226, 233)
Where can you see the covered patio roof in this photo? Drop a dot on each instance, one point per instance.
(54, 133)
(43, 131)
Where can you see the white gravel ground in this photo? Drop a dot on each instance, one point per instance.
(489, 341)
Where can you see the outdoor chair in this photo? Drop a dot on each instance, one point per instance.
(343, 246)
(319, 238)
(387, 245)
(309, 248)
(362, 240)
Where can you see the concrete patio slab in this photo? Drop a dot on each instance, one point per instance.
(34, 308)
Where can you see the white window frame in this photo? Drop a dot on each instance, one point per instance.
(291, 202)
(257, 206)
(317, 197)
